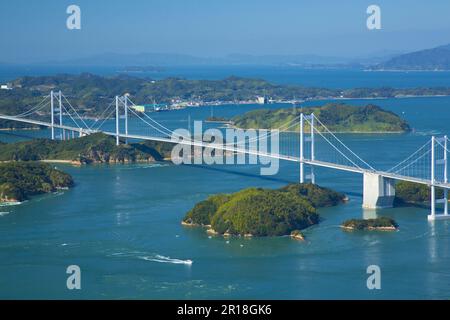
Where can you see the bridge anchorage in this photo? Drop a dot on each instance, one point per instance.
(303, 139)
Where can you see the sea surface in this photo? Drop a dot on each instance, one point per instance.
(328, 78)
(121, 224)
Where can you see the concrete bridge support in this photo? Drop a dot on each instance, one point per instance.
(378, 192)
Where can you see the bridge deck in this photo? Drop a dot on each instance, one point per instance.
(237, 150)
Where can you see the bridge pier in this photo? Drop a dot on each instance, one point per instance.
(378, 192)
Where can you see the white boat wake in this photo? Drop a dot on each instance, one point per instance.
(7, 204)
(163, 259)
(154, 258)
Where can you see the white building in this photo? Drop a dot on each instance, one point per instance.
(261, 100)
(5, 87)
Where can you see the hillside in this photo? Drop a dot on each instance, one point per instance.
(410, 193)
(95, 148)
(337, 117)
(435, 59)
(263, 212)
(20, 180)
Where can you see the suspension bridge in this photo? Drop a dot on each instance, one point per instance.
(311, 145)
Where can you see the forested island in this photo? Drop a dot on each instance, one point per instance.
(20, 180)
(337, 117)
(94, 148)
(263, 212)
(92, 93)
(377, 224)
(410, 193)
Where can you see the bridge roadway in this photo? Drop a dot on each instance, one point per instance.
(317, 163)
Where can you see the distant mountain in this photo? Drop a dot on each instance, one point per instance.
(435, 59)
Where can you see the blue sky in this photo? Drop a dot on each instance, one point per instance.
(36, 30)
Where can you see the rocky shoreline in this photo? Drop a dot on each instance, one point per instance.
(21, 180)
(371, 228)
(295, 235)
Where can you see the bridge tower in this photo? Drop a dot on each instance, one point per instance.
(125, 105)
(117, 121)
(63, 131)
(304, 139)
(434, 162)
(312, 176)
(302, 165)
(445, 174)
(123, 100)
(52, 113)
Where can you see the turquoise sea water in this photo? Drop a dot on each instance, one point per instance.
(121, 225)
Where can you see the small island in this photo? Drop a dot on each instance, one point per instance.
(94, 148)
(377, 224)
(257, 212)
(20, 180)
(337, 117)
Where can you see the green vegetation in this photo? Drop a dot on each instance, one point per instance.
(96, 148)
(337, 117)
(204, 211)
(414, 193)
(19, 180)
(92, 93)
(262, 212)
(381, 224)
(317, 195)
